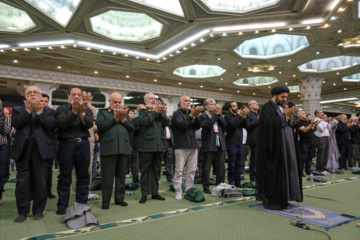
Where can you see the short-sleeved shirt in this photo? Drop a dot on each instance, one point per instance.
(305, 137)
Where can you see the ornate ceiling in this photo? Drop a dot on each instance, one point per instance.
(208, 45)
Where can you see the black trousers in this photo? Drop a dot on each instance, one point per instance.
(322, 146)
(72, 155)
(31, 177)
(252, 166)
(169, 159)
(343, 157)
(134, 159)
(219, 167)
(306, 157)
(50, 175)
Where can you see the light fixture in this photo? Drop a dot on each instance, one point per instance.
(238, 91)
(333, 18)
(339, 100)
(323, 81)
(184, 48)
(308, 27)
(96, 72)
(273, 30)
(101, 51)
(155, 80)
(269, 87)
(341, 9)
(62, 46)
(339, 31)
(15, 61)
(14, 50)
(114, 53)
(219, 59)
(334, 84)
(47, 43)
(312, 21)
(259, 26)
(290, 29)
(75, 45)
(286, 83)
(88, 48)
(224, 34)
(280, 72)
(256, 31)
(221, 79)
(345, 89)
(199, 71)
(179, 83)
(37, 48)
(261, 68)
(238, 74)
(220, 89)
(337, 73)
(50, 47)
(239, 63)
(289, 60)
(317, 52)
(294, 75)
(201, 86)
(253, 93)
(202, 40)
(326, 25)
(240, 33)
(192, 44)
(127, 76)
(126, 55)
(59, 67)
(25, 49)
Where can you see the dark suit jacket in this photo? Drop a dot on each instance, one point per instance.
(342, 134)
(45, 124)
(208, 143)
(252, 128)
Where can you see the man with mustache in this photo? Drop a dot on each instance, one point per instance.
(32, 150)
(151, 146)
(278, 163)
(184, 122)
(114, 128)
(74, 121)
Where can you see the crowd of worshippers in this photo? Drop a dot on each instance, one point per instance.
(197, 139)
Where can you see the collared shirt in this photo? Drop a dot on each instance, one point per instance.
(167, 133)
(70, 125)
(323, 128)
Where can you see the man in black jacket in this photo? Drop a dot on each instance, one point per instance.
(74, 120)
(184, 123)
(213, 143)
(32, 150)
(354, 141)
(252, 123)
(342, 140)
(235, 120)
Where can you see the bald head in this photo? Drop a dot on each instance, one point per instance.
(302, 115)
(115, 101)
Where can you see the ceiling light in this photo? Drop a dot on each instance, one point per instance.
(179, 83)
(334, 84)
(280, 72)
(184, 48)
(101, 50)
(1, 50)
(177, 51)
(50, 47)
(192, 44)
(164, 58)
(59, 67)
(256, 31)
(286, 83)
(155, 80)
(312, 21)
(308, 27)
(15, 61)
(25, 49)
(333, 18)
(202, 40)
(261, 68)
(289, 60)
(339, 31)
(199, 71)
(13, 49)
(323, 81)
(339, 100)
(238, 74)
(221, 79)
(317, 52)
(224, 34)
(220, 89)
(269, 87)
(211, 35)
(219, 59)
(290, 29)
(326, 25)
(294, 75)
(238, 91)
(273, 30)
(96, 72)
(337, 73)
(341, 9)
(114, 53)
(46, 43)
(37, 48)
(148, 59)
(127, 76)
(171, 55)
(126, 55)
(299, 95)
(253, 93)
(240, 33)
(201, 86)
(88, 48)
(250, 26)
(345, 89)
(157, 60)
(137, 57)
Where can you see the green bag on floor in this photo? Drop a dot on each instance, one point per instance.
(197, 181)
(131, 186)
(250, 184)
(212, 181)
(194, 195)
(247, 192)
(355, 171)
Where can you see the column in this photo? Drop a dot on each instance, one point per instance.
(310, 92)
(171, 103)
(107, 98)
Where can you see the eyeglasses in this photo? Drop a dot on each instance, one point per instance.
(32, 92)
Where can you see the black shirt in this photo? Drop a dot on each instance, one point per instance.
(234, 129)
(70, 125)
(305, 137)
(184, 127)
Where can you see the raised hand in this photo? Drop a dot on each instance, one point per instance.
(75, 107)
(243, 112)
(87, 97)
(38, 106)
(218, 110)
(82, 108)
(196, 111)
(29, 107)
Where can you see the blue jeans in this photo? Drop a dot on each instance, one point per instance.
(236, 161)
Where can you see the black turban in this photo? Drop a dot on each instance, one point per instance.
(280, 89)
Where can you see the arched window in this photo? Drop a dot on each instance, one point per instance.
(331, 65)
(192, 72)
(211, 71)
(278, 49)
(245, 81)
(253, 51)
(309, 66)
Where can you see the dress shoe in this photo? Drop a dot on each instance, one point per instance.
(207, 191)
(50, 195)
(38, 216)
(61, 211)
(143, 199)
(105, 207)
(157, 197)
(121, 203)
(20, 218)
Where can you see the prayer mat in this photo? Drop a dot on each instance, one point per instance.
(315, 216)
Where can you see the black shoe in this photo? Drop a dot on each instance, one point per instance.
(50, 195)
(38, 216)
(240, 186)
(207, 191)
(168, 179)
(121, 203)
(157, 197)
(143, 199)
(61, 211)
(303, 175)
(105, 207)
(20, 218)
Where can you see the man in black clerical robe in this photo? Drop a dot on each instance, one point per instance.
(278, 161)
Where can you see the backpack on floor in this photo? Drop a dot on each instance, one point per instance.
(194, 195)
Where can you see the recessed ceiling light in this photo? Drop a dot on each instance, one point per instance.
(62, 46)
(126, 55)
(273, 30)
(224, 34)
(13, 50)
(2, 50)
(220, 89)
(286, 83)
(326, 25)
(211, 35)
(171, 55)
(345, 89)
(334, 84)
(298, 95)
(155, 80)
(114, 53)
(96, 72)
(50, 47)
(25, 49)
(280, 72)
(337, 73)
(333, 18)
(164, 58)
(37, 48)
(317, 52)
(289, 60)
(148, 59)
(177, 51)
(269, 87)
(202, 40)
(323, 81)
(101, 50)
(253, 93)
(290, 29)
(238, 91)
(137, 57)
(256, 31)
(192, 44)
(59, 67)
(308, 27)
(15, 61)
(221, 79)
(74, 45)
(240, 33)
(239, 63)
(88, 48)
(158, 60)
(201, 86)
(294, 75)
(219, 59)
(179, 83)
(238, 74)
(127, 76)
(339, 31)
(341, 9)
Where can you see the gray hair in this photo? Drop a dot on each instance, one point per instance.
(209, 100)
(353, 118)
(30, 87)
(249, 103)
(184, 96)
(343, 116)
(146, 95)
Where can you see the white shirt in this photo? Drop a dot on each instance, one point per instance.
(168, 136)
(323, 128)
